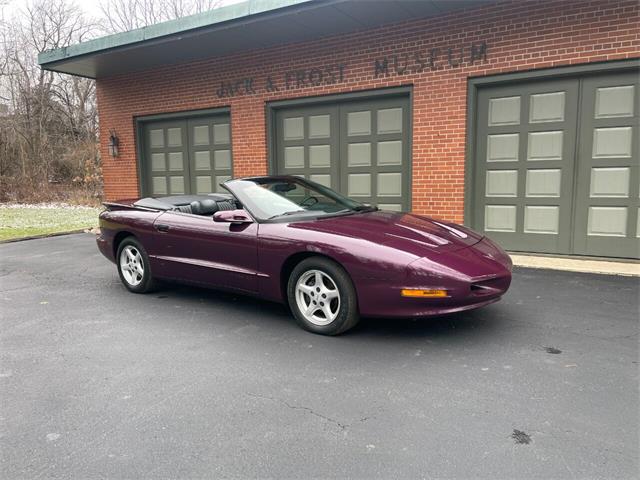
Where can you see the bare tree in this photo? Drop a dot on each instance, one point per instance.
(28, 90)
(48, 121)
(124, 15)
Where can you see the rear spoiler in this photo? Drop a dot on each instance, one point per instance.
(111, 206)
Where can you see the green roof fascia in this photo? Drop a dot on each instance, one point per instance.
(230, 13)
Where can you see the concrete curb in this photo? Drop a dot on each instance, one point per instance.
(46, 235)
(602, 267)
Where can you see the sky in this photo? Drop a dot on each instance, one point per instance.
(91, 7)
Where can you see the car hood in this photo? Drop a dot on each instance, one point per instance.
(404, 231)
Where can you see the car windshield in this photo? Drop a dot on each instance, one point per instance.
(273, 197)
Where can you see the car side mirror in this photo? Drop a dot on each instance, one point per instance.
(236, 217)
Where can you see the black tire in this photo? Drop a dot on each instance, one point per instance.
(346, 311)
(146, 283)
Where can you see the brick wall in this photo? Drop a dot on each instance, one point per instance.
(521, 35)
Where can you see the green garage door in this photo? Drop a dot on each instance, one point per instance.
(557, 166)
(607, 221)
(358, 148)
(186, 155)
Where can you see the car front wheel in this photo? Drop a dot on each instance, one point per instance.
(322, 297)
(133, 266)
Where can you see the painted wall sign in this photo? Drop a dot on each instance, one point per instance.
(292, 79)
(431, 59)
(396, 64)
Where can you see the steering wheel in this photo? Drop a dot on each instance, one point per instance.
(310, 198)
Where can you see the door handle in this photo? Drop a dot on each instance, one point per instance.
(161, 227)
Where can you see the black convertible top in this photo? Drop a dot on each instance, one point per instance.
(171, 202)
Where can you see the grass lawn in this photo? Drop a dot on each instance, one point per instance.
(18, 221)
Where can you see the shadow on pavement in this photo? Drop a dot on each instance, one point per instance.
(480, 323)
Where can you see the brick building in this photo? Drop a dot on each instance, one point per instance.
(518, 118)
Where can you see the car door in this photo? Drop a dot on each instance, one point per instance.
(196, 249)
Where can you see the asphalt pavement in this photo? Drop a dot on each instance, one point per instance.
(96, 382)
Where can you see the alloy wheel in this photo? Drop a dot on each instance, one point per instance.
(131, 265)
(317, 297)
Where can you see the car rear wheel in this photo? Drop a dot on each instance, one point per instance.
(322, 297)
(133, 266)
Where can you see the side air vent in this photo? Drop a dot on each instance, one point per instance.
(486, 287)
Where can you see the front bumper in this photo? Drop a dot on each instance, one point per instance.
(473, 277)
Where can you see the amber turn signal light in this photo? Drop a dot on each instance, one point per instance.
(411, 292)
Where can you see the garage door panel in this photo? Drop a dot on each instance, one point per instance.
(610, 182)
(543, 182)
(176, 161)
(359, 154)
(320, 156)
(606, 221)
(164, 170)
(504, 110)
(606, 216)
(306, 145)
(545, 145)
(186, 155)
(294, 157)
(158, 162)
(222, 160)
(176, 185)
(321, 178)
(390, 120)
(222, 132)
(500, 218)
(359, 123)
(542, 219)
(503, 147)
(614, 101)
(547, 107)
(612, 142)
(159, 186)
(374, 140)
(201, 135)
(525, 164)
(502, 183)
(389, 184)
(359, 148)
(319, 126)
(156, 137)
(210, 159)
(390, 152)
(359, 185)
(557, 165)
(293, 128)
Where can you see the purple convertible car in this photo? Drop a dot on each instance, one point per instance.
(290, 240)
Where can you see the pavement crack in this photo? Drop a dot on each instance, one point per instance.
(15, 289)
(311, 411)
